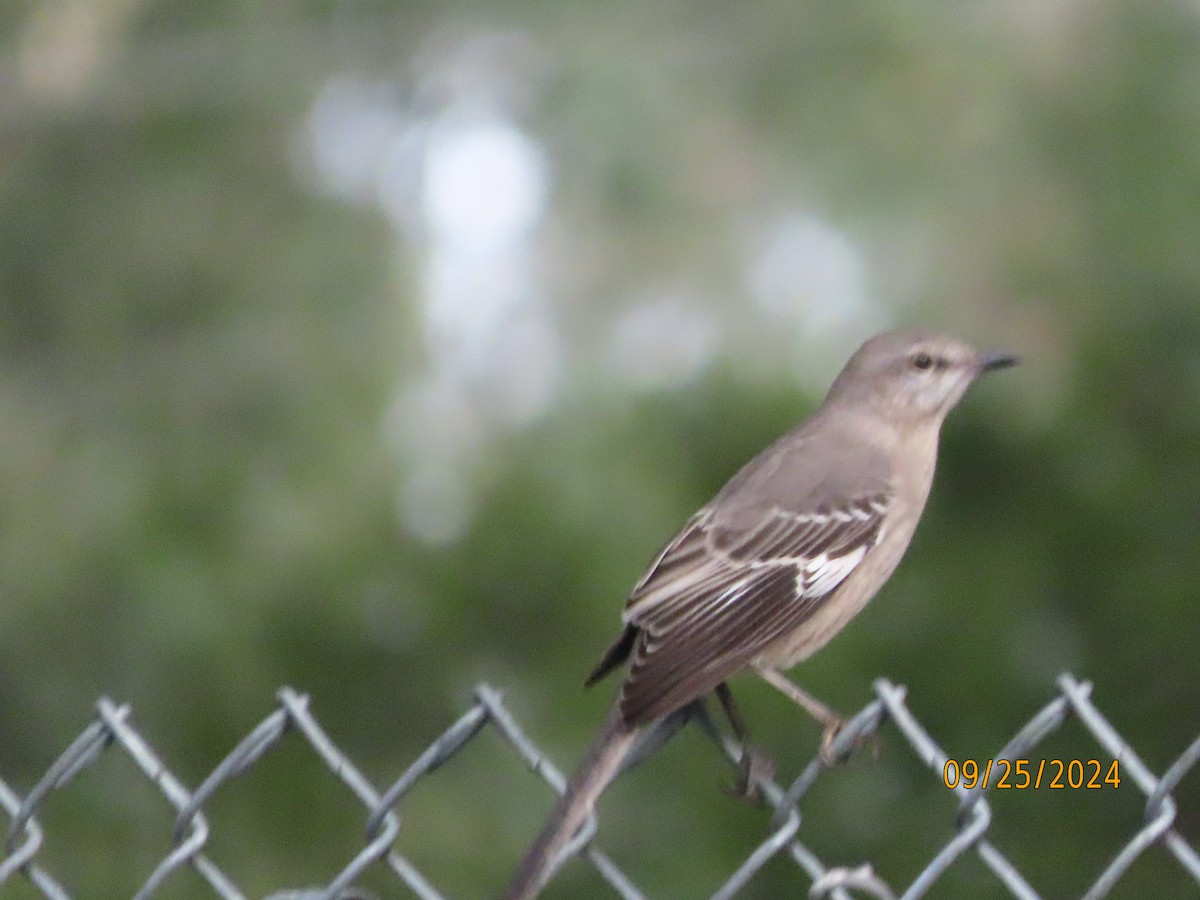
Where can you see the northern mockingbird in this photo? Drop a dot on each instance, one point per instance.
(782, 558)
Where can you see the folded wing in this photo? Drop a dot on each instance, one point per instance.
(718, 595)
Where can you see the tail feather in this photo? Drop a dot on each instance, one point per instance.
(599, 767)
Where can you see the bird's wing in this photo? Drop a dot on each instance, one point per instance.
(732, 583)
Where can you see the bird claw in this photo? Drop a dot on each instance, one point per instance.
(753, 768)
(831, 757)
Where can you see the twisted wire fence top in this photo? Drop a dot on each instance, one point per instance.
(112, 731)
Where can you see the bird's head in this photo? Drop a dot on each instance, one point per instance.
(914, 375)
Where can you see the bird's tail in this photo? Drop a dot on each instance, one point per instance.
(598, 768)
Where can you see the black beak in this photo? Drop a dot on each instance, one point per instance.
(993, 361)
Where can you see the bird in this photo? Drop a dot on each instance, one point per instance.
(779, 561)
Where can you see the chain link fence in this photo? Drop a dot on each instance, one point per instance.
(112, 731)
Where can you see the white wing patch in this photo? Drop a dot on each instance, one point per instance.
(704, 571)
(821, 574)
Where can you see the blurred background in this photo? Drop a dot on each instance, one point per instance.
(374, 348)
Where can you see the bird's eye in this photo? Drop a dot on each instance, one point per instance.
(922, 361)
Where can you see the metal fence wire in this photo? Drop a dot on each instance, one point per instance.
(112, 731)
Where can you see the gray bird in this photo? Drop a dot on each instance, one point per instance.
(790, 550)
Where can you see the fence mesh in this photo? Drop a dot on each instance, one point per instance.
(112, 731)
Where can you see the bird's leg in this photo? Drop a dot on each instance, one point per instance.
(655, 735)
(753, 765)
(830, 720)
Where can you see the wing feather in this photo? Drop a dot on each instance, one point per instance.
(718, 595)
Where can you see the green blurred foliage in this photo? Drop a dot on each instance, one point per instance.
(203, 348)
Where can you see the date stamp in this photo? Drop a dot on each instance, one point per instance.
(1026, 774)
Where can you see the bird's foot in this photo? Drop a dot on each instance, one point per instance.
(831, 756)
(754, 767)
